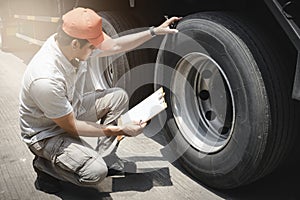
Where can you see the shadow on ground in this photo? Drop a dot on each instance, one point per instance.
(133, 182)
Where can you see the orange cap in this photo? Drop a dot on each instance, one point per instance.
(84, 23)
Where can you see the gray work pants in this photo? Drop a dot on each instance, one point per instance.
(71, 159)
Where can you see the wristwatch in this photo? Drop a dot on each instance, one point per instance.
(151, 29)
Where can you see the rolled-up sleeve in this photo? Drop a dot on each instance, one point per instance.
(50, 96)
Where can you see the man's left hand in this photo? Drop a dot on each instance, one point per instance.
(164, 28)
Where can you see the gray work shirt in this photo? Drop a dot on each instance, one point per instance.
(52, 87)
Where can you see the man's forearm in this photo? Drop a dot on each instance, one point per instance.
(91, 129)
(131, 41)
(125, 43)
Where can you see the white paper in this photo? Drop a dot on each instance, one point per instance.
(145, 110)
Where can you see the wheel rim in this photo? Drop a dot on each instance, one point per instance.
(202, 103)
(103, 72)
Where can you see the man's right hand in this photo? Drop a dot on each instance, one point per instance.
(133, 129)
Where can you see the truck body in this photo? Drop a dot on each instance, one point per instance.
(231, 75)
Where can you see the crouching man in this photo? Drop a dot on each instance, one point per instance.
(55, 110)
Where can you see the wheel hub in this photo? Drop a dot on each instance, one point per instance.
(202, 102)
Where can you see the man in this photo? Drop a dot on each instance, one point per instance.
(55, 110)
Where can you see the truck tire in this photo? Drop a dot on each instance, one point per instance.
(230, 115)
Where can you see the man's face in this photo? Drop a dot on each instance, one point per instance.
(84, 52)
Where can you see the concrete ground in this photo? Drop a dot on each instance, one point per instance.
(157, 177)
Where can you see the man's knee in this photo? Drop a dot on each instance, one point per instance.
(110, 104)
(121, 96)
(93, 172)
(119, 101)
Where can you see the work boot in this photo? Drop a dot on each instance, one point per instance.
(46, 183)
(118, 166)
